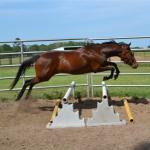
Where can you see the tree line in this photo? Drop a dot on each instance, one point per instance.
(5, 48)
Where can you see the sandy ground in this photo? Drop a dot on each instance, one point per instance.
(22, 127)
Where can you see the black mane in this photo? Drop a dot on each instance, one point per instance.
(108, 42)
(114, 42)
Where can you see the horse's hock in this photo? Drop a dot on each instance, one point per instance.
(66, 117)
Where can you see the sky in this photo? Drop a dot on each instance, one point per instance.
(48, 19)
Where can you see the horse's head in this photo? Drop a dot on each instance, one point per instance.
(127, 56)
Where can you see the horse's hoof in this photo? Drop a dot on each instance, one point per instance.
(115, 77)
(17, 99)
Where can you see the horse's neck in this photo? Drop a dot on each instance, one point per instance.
(110, 52)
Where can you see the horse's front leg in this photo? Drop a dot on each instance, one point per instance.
(112, 69)
(96, 67)
(116, 68)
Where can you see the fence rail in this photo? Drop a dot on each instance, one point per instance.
(77, 39)
(89, 77)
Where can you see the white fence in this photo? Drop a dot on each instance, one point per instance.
(89, 84)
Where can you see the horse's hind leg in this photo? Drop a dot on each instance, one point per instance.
(34, 81)
(29, 91)
(27, 83)
(42, 74)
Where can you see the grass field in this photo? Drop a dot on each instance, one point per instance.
(58, 80)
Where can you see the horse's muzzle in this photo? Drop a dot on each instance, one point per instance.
(135, 65)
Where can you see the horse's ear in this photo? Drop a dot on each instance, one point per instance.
(129, 44)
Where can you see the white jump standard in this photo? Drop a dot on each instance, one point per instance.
(104, 114)
(66, 116)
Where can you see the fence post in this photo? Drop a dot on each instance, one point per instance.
(88, 84)
(22, 59)
(92, 86)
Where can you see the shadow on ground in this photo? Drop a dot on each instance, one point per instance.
(92, 103)
(134, 100)
(143, 146)
(46, 108)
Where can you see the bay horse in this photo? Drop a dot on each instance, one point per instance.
(89, 58)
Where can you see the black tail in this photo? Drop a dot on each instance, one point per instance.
(26, 64)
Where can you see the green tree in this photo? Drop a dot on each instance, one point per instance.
(7, 48)
(43, 47)
(34, 47)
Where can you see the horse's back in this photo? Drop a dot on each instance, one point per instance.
(62, 61)
(72, 62)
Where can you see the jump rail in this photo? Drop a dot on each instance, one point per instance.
(70, 89)
(104, 90)
(55, 111)
(128, 111)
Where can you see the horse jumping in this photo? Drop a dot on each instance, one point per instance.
(89, 58)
